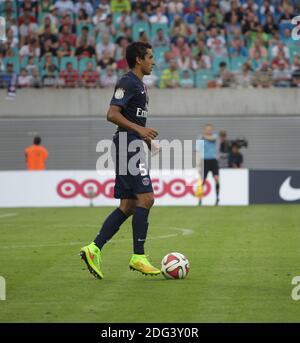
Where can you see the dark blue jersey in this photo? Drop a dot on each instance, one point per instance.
(131, 95)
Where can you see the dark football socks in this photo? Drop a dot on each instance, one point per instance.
(139, 229)
(217, 191)
(110, 227)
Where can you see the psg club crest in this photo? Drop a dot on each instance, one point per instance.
(119, 93)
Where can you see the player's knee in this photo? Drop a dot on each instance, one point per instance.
(147, 200)
(128, 207)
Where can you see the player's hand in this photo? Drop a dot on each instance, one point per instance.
(148, 133)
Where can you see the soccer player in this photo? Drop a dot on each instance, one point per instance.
(128, 110)
(210, 156)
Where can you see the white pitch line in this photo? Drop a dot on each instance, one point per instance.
(184, 232)
(6, 215)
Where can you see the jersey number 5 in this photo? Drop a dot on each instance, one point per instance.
(143, 169)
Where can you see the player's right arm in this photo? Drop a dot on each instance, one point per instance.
(115, 116)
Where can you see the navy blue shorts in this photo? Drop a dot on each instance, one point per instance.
(127, 186)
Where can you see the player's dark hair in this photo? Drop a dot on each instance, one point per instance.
(134, 50)
(37, 140)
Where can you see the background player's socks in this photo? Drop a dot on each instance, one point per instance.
(217, 191)
(110, 227)
(139, 229)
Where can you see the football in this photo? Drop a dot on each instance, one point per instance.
(175, 266)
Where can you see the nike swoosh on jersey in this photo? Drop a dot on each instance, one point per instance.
(287, 192)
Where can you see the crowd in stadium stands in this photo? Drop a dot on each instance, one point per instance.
(197, 43)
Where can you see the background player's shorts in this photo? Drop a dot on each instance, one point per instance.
(127, 186)
(211, 165)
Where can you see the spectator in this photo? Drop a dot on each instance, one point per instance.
(90, 77)
(280, 47)
(175, 7)
(139, 16)
(179, 28)
(180, 47)
(270, 27)
(197, 27)
(65, 50)
(48, 48)
(277, 59)
(47, 22)
(82, 17)
(296, 78)
(235, 159)
(64, 6)
(13, 41)
(170, 76)
(67, 36)
(235, 10)
(282, 75)
(67, 20)
(143, 36)
(45, 6)
(124, 20)
(35, 79)
(30, 6)
(27, 18)
(84, 49)
(296, 64)
(186, 81)
(69, 76)
(30, 49)
(244, 79)
(99, 20)
(31, 65)
(110, 78)
(160, 39)
(258, 50)
(159, 17)
(9, 80)
(107, 61)
(216, 44)
(233, 25)
(184, 61)
(48, 35)
(49, 72)
(237, 48)
(263, 76)
(36, 155)
(201, 61)
(53, 15)
(27, 24)
(84, 5)
(225, 77)
(24, 79)
(120, 6)
(109, 26)
(287, 14)
(214, 24)
(85, 35)
(105, 45)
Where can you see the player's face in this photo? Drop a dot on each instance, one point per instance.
(147, 63)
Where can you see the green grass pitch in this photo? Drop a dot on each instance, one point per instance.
(242, 262)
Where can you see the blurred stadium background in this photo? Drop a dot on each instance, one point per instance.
(232, 63)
